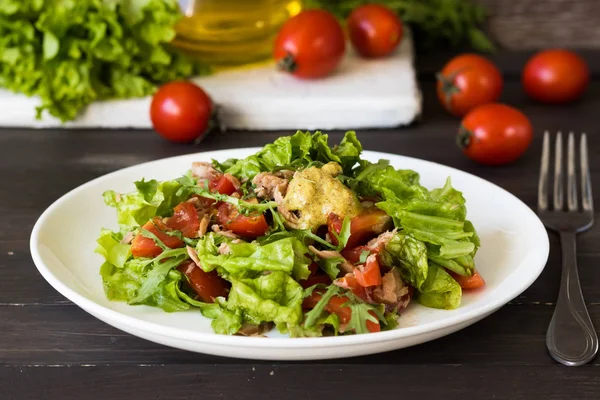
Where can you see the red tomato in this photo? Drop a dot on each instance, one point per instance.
(495, 134)
(310, 44)
(181, 111)
(370, 275)
(141, 246)
(474, 281)
(207, 285)
(468, 81)
(223, 185)
(248, 226)
(375, 30)
(185, 219)
(555, 76)
(363, 227)
(336, 306)
(349, 282)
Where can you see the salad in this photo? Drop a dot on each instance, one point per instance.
(303, 237)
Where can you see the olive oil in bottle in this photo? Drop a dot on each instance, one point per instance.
(232, 32)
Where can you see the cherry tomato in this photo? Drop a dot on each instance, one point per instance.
(467, 81)
(375, 30)
(555, 76)
(185, 219)
(248, 226)
(181, 111)
(363, 227)
(142, 246)
(207, 285)
(495, 134)
(310, 44)
(474, 281)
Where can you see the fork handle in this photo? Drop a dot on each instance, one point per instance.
(571, 338)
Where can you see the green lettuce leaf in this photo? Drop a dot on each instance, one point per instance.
(409, 255)
(245, 259)
(73, 53)
(439, 290)
(150, 199)
(295, 152)
(275, 297)
(110, 247)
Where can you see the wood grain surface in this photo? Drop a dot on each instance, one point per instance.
(535, 24)
(51, 349)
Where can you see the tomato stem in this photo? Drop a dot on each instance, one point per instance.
(463, 140)
(287, 63)
(448, 87)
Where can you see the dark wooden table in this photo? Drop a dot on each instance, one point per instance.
(51, 349)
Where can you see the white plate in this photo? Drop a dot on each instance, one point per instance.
(513, 253)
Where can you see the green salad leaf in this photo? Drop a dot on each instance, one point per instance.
(243, 259)
(439, 290)
(150, 199)
(295, 152)
(409, 255)
(275, 297)
(72, 53)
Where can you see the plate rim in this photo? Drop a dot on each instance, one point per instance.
(541, 258)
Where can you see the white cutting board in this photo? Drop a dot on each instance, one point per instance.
(361, 94)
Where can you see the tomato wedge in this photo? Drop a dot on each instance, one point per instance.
(336, 306)
(363, 227)
(370, 275)
(474, 281)
(141, 246)
(223, 185)
(349, 282)
(244, 225)
(185, 219)
(207, 285)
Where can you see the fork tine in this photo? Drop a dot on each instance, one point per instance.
(558, 174)
(586, 184)
(543, 180)
(571, 181)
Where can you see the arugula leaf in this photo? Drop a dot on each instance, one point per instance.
(244, 207)
(312, 316)
(330, 265)
(344, 234)
(151, 283)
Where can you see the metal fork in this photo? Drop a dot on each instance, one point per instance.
(571, 338)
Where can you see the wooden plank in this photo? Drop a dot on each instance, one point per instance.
(46, 335)
(447, 382)
(533, 24)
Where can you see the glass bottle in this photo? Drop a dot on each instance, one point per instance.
(232, 32)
